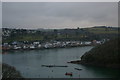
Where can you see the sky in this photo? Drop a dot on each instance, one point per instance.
(57, 15)
(59, 0)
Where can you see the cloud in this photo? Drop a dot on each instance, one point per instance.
(59, 14)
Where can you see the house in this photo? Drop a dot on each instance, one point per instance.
(87, 42)
(48, 45)
(39, 45)
(32, 46)
(36, 43)
(98, 42)
(16, 47)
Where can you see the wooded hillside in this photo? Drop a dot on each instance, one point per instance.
(106, 55)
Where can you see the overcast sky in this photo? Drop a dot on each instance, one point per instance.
(59, 14)
(60, 0)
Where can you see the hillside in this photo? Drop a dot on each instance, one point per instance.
(83, 34)
(103, 30)
(106, 55)
(9, 72)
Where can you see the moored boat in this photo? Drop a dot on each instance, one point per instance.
(77, 69)
(70, 74)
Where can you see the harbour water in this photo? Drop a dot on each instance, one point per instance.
(29, 63)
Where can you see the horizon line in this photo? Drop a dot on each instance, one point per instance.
(61, 28)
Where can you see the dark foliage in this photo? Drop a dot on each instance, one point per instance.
(106, 55)
(10, 72)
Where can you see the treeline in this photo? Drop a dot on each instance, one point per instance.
(105, 55)
(9, 72)
(82, 34)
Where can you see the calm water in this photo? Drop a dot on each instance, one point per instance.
(29, 63)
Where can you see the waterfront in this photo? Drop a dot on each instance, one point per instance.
(29, 63)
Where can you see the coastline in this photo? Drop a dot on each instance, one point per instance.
(105, 55)
(114, 66)
(43, 48)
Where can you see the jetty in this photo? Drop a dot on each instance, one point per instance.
(54, 66)
(77, 69)
(75, 62)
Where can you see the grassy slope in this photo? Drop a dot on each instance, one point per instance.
(102, 30)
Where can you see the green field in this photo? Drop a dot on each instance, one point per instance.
(101, 31)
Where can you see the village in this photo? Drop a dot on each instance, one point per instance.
(25, 45)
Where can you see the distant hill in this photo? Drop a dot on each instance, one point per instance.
(106, 55)
(82, 34)
(103, 30)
